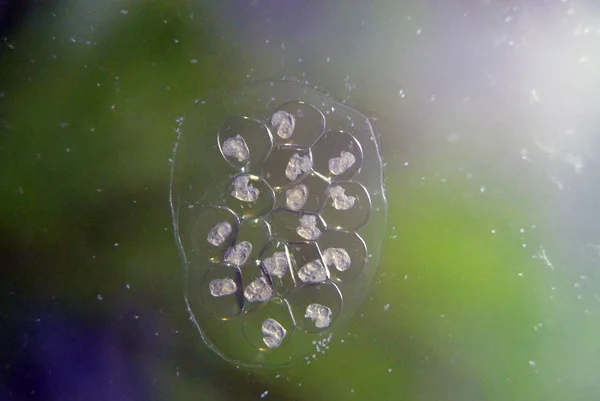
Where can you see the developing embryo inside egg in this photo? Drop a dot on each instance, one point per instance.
(279, 208)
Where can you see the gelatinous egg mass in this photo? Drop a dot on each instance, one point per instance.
(278, 207)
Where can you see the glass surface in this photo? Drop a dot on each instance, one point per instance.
(485, 288)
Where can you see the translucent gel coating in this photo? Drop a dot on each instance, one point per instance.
(278, 207)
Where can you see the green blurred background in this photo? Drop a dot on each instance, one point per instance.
(488, 285)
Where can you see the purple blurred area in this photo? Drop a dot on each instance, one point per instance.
(59, 357)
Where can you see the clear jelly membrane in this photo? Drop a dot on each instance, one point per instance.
(278, 203)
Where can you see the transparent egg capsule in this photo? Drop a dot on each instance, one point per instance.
(244, 142)
(307, 263)
(287, 164)
(306, 195)
(248, 196)
(347, 205)
(278, 207)
(257, 286)
(213, 230)
(219, 290)
(338, 155)
(344, 254)
(255, 232)
(316, 307)
(277, 265)
(297, 123)
(288, 225)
